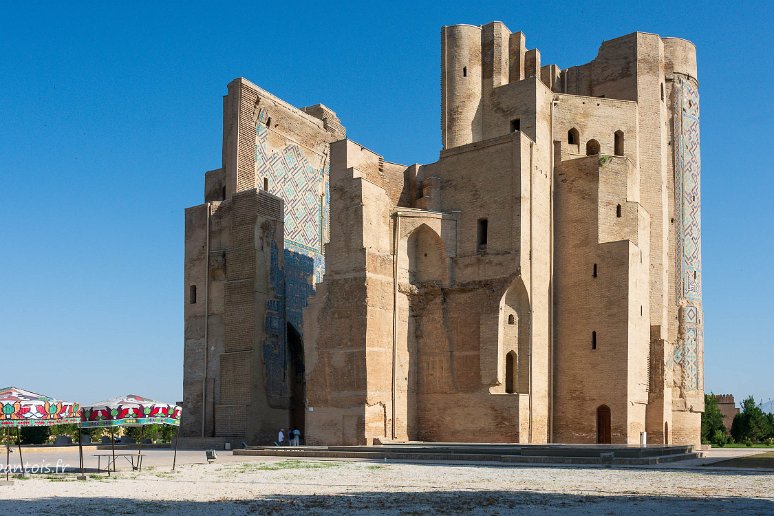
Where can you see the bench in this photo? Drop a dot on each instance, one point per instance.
(129, 457)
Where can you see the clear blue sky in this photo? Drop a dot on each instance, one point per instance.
(110, 115)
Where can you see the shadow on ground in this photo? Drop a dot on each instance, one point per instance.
(481, 502)
(761, 460)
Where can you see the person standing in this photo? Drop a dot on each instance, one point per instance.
(280, 438)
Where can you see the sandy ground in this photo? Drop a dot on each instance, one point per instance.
(241, 485)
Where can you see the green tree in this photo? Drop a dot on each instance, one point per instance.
(712, 426)
(70, 430)
(7, 437)
(35, 434)
(751, 424)
(156, 433)
(134, 433)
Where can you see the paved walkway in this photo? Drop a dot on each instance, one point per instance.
(243, 485)
(39, 457)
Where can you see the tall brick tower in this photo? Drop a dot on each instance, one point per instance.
(685, 233)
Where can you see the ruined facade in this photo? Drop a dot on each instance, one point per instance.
(540, 282)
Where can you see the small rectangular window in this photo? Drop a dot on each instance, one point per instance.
(464, 71)
(192, 294)
(266, 184)
(515, 125)
(593, 340)
(483, 229)
(594, 273)
(618, 143)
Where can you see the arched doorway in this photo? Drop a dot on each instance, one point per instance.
(666, 433)
(296, 380)
(592, 148)
(603, 425)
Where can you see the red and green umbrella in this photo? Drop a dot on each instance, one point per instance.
(129, 410)
(19, 408)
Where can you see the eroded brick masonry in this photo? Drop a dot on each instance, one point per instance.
(540, 282)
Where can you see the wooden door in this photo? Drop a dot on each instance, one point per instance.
(603, 425)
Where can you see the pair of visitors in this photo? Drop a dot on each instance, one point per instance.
(295, 437)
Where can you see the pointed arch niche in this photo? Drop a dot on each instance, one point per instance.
(514, 339)
(426, 256)
(424, 363)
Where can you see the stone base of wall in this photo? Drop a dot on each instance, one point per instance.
(686, 428)
(209, 443)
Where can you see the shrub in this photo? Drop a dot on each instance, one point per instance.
(720, 438)
(72, 431)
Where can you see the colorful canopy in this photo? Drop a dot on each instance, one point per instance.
(130, 410)
(24, 408)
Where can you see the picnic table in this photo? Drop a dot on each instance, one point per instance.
(111, 460)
